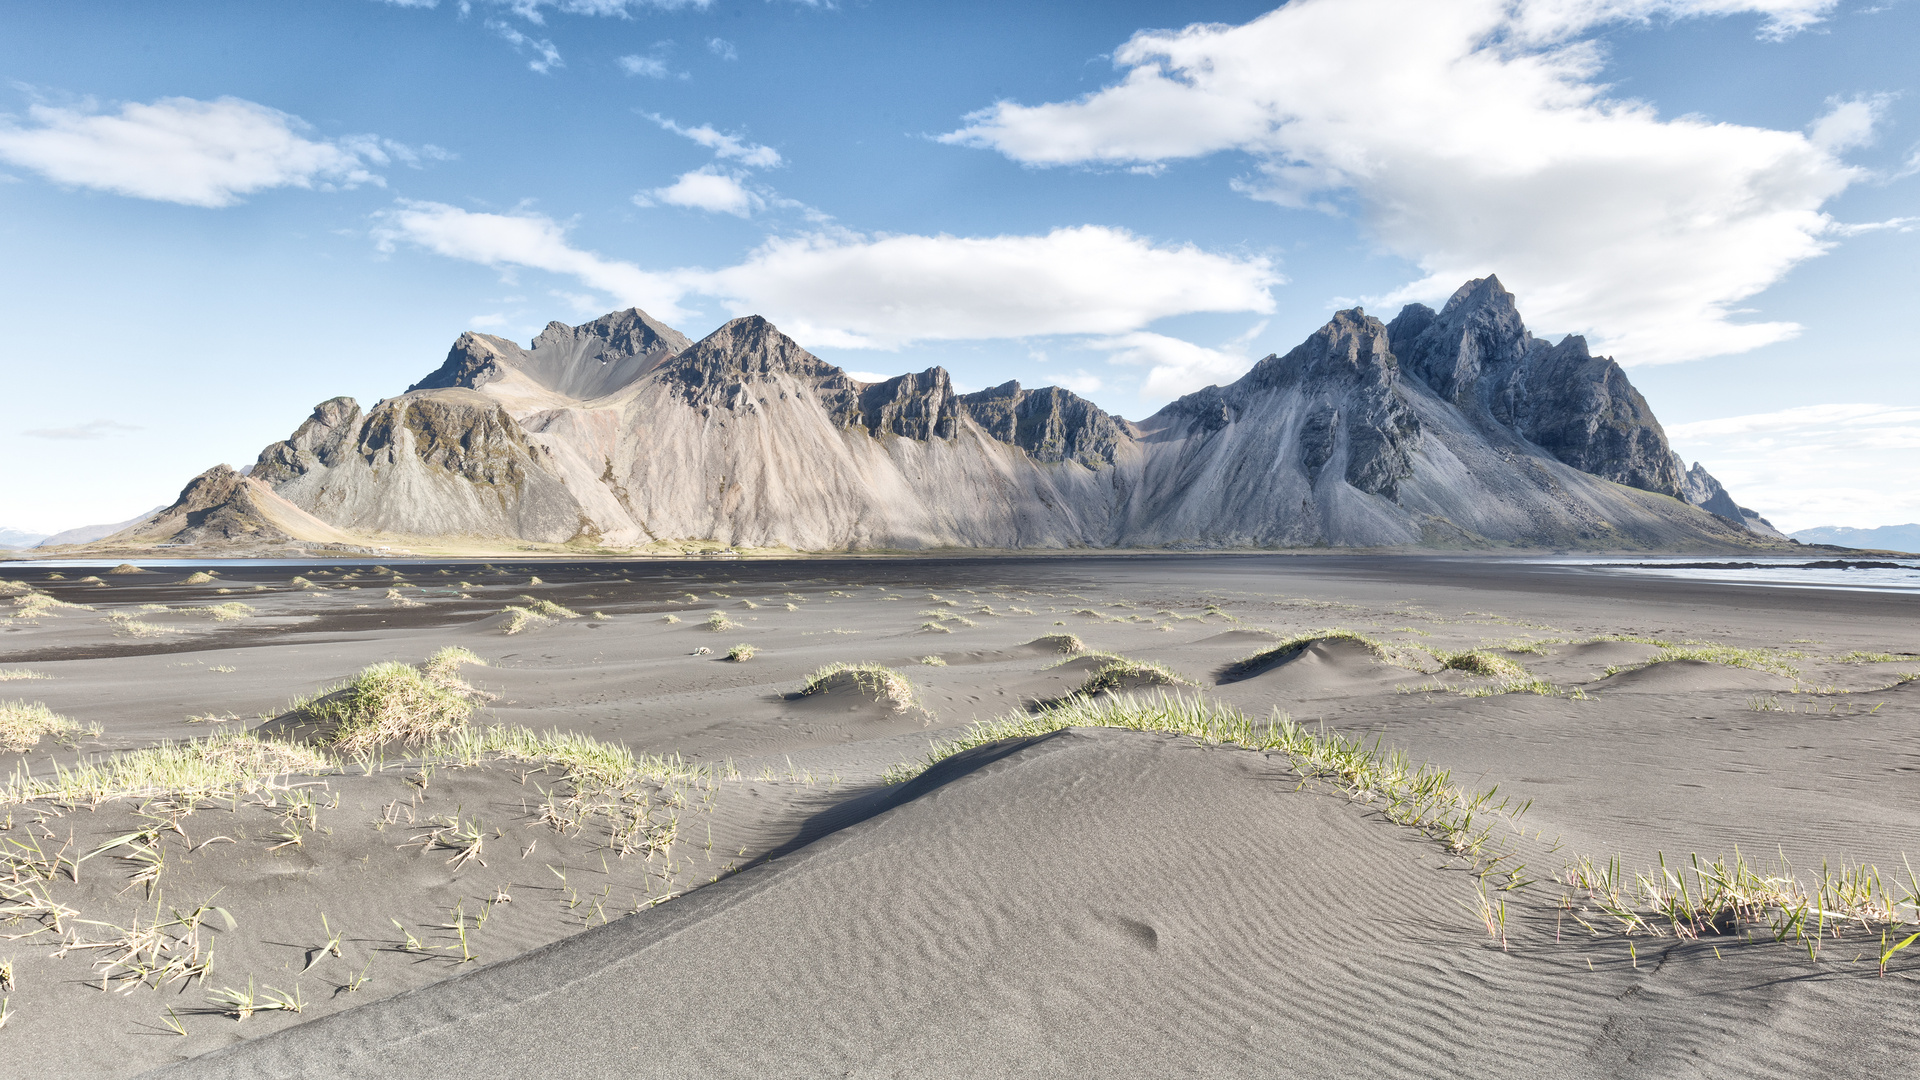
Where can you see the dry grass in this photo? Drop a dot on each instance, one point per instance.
(18, 675)
(393, 702)
(877, 681)
(219, 766)
(740, 654)
(198, 577)
(1060, 643)
(24, 723)
(1122, 673)
(719, 623)
(128, 568)
(1387, 652)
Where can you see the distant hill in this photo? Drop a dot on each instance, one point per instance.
(1884, 538)
(19, 538)
(1455, 428)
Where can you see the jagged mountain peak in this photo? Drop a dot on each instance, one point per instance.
(582, 362)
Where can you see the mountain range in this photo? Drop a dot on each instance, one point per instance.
(1453, 428)
(1881, 538)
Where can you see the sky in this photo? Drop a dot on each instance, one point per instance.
(216, 215)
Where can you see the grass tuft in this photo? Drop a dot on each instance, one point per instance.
(877, 681)
(1125, 674)
(1385, 651)
(1060, 643)
(18, 675)
(740, 654)
(719, 623)
(23, 724)
(224, 765)
(393, 702)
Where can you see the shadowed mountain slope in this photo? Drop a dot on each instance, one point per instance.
(1453, 428)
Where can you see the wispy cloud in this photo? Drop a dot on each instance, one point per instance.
(844, 289)
(723, 145)
(651, 67)
(546, 56)
(200, 153)
(93, 429)
(1813, 464)
(722, 48)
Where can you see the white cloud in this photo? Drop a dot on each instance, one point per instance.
(1898, 224)
(546, 55)
(529, 240)
(1080, 382)
(413, 3)
(201, 153)
(93, 429)
(868, 376)
(532, 10)
(854, 291)
(1174, 367)
(1849, 123)
(1472, 136)
(1815, 464)
(487, 322)
(650, 66)
(710, 190)
(722, 48)
(723, 145)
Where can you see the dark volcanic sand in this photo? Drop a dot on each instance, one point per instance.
(1089, 904)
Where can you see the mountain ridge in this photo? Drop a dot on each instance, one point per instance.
(1449, 428)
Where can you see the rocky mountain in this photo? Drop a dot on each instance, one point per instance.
(1700, 488)
(1451, 428)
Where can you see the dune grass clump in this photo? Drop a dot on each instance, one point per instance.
(1060, 643)
(1419, 797)
(1858, 657)
(719, 623)
(549, 609)
(936, 627)
(1125, 674)
(19, 675)
(931, 660)
(669, 618)
(520, 619)
(740, 654)
(392, 702)
(127, 568)
(1385, 651)
(23, 724)
(230, 611)
(223, 765)
(33, 604)
(401, 599)
(1768, 660)
(877, 681)
(198, 577)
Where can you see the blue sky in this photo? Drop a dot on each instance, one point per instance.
(218, 214)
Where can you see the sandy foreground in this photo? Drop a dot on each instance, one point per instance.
(1085, 902)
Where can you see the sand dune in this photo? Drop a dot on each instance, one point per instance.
(1092, 902)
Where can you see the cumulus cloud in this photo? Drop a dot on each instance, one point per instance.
(1815, 464)
(93, 429)
(723, 145)
(711, 190)
(200, 153)
(1472, 137)
(524, 240)
(847, 290)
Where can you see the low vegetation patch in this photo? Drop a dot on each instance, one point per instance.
(1124, 674)
(1768, 660)
(230, 611)
(23, 724)
(198, 577)
(393, 702)
(220, 766)
(1419, 797)
(1060, 643)
(740, 654)
(933, 660)
(127, 568)
(1285, 649)
(719, 623)
(877, 681)
(18, 675)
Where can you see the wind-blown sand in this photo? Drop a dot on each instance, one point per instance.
(1084, 903)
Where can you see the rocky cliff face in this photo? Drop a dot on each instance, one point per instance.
(1477, 354)
(1454, 428)
(1702, 490)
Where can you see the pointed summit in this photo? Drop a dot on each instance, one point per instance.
(582, 362)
